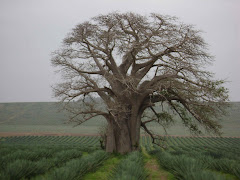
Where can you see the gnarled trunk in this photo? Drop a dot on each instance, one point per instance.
(123, 133)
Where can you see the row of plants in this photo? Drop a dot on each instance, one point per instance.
(76, 168)
(186, 168)
(230, 147)
(132, 167)
(216, 152)
(145, 141)
(217, 159)
(203, 141)
(86, 140)
(63, 162)
(185, 158)
(27, 161)
(198, 163)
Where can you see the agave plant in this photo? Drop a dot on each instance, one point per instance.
(132, 167)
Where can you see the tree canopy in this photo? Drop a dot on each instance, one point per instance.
(120, 64)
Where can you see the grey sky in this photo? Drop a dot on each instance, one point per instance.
(31, 29)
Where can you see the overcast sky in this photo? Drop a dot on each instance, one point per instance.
(31, 29)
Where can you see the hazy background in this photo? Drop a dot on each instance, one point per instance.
(31, 29)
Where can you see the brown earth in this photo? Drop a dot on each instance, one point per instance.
(154, 172)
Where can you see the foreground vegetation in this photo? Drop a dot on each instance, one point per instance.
(69, 157)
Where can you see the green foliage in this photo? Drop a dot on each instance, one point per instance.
(186, 158)
(25, 169)
(201, 158)
(64, 156)
(106, 169)
(28, 161)
(185, 168)
(203, 175)
(86, 143)
(236, 171)
(132, 167)
(20, 155)
(77, 168)
(166, 118)
(225, 165)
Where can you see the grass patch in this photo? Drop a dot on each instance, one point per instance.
(85, 153)
(154, 171)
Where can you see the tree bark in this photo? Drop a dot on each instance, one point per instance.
(110, 141)
(135, 123)
(123, 135)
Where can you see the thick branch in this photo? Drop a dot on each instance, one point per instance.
(153, 136)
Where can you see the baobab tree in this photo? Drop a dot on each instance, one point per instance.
(121, 64)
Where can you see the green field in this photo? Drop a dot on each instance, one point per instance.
(80, 157)
(44, 117)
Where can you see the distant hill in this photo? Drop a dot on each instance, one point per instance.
(35, 113)
(39, 113)
(45, 114)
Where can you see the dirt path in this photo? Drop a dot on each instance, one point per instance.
(154, 172)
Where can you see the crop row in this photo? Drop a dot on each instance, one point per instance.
(132, 167)
(76, 168)
(194, 162)
(229, 145)
(69, 140)
(47, 162)
(185, 168)
(51, 162)
(63, 162)
(214, 141)
(145, 140)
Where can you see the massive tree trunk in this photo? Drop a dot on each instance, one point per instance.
(123, 133)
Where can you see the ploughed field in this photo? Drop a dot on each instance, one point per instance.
(80, 157)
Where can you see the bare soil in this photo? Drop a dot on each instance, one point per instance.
(155, 173)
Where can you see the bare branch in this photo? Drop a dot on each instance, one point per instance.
(120, 64)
